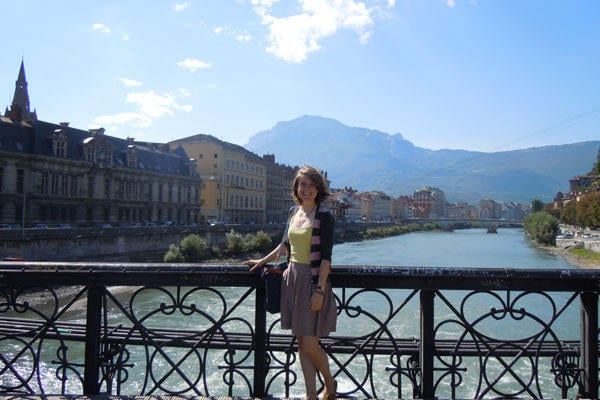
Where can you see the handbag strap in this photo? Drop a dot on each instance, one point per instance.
(292, 212)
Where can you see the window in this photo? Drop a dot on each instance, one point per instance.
(216, 156)
(20, 180)
(44, 189)
(53, 184)
(90, 188)
(65, 186)
(90, 153)
(59, 143)
(1, 179)
(73, 187)
(132, 158)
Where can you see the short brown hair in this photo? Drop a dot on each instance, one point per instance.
(317, 178)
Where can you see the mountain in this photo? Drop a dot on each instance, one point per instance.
(367, 159)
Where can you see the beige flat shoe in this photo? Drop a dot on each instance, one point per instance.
(330, 396)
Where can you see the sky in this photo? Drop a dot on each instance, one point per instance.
(483, 75)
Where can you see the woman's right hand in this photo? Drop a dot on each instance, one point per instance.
(256, 264)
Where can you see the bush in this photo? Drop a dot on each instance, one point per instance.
(261, 242)
(193, 248)
(235, 243)
(541, 227)
(173, 255)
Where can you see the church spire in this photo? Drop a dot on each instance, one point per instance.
(19, 109)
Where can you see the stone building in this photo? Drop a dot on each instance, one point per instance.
(278, 189)
(53, 173)
(234, 180)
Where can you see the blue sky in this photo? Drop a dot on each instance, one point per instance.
(475, 74)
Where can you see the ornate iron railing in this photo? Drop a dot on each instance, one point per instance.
(201, 330)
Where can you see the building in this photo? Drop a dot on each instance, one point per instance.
(278, 189)
(462, 210)
(429, 202)
(490, 209)
(234, 180)
(54, 173)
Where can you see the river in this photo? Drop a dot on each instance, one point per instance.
(508, 248)
(460, 248)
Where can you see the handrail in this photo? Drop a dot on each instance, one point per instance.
(414, 331)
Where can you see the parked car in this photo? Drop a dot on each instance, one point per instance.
(41, 226)
(4, 226)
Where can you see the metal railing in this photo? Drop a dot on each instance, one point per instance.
(202, 330)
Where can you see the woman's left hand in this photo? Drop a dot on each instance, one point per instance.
(316, 301)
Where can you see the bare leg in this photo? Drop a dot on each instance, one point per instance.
(308, 371)
(317, 357)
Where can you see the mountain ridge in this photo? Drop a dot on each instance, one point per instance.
(368, 159)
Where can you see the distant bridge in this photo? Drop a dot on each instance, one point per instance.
(465, 222)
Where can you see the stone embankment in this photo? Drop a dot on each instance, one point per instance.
(573, 238)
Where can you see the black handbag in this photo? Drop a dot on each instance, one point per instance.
(272, 276)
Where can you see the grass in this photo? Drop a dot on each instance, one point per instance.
(587, 255)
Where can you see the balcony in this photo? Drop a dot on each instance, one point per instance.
(201, 330)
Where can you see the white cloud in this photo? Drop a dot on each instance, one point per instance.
(100, 27)
(137, 120)
(451, 3)
(155, 105)
(130, 82)
(181, 7)
(149, 106)
(292, 38)
(125, 37)
(218, 30)
(243, 38)
(192, 64)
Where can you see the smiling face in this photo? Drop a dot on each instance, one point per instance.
(307, 190)
(309, 185)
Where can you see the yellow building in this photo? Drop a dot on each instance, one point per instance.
(234, 180)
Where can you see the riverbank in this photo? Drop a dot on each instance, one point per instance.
(580, 258)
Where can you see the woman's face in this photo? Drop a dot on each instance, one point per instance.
(307, 190)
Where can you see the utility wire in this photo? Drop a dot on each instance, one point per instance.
(571, 120)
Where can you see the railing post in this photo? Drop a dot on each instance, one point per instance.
(260, 348)
(91, 374)
(427, 344)
(589, 344)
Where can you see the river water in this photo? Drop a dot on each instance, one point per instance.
(462, 248)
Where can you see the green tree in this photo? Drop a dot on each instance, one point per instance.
(193, 247)
(536, 206)
(541, 227)
(259, 242)
(588, 210)
(173, 255)
(235, 242)
(569, 213)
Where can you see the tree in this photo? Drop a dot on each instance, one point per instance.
(536, 206)
(173, 255)
(541, 227)
(588, 210)
(193, 248)
(569, 213)
(235, 242)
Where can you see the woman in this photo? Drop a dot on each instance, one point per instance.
(307, 301)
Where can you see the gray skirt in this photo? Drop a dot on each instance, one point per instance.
(296, 290)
